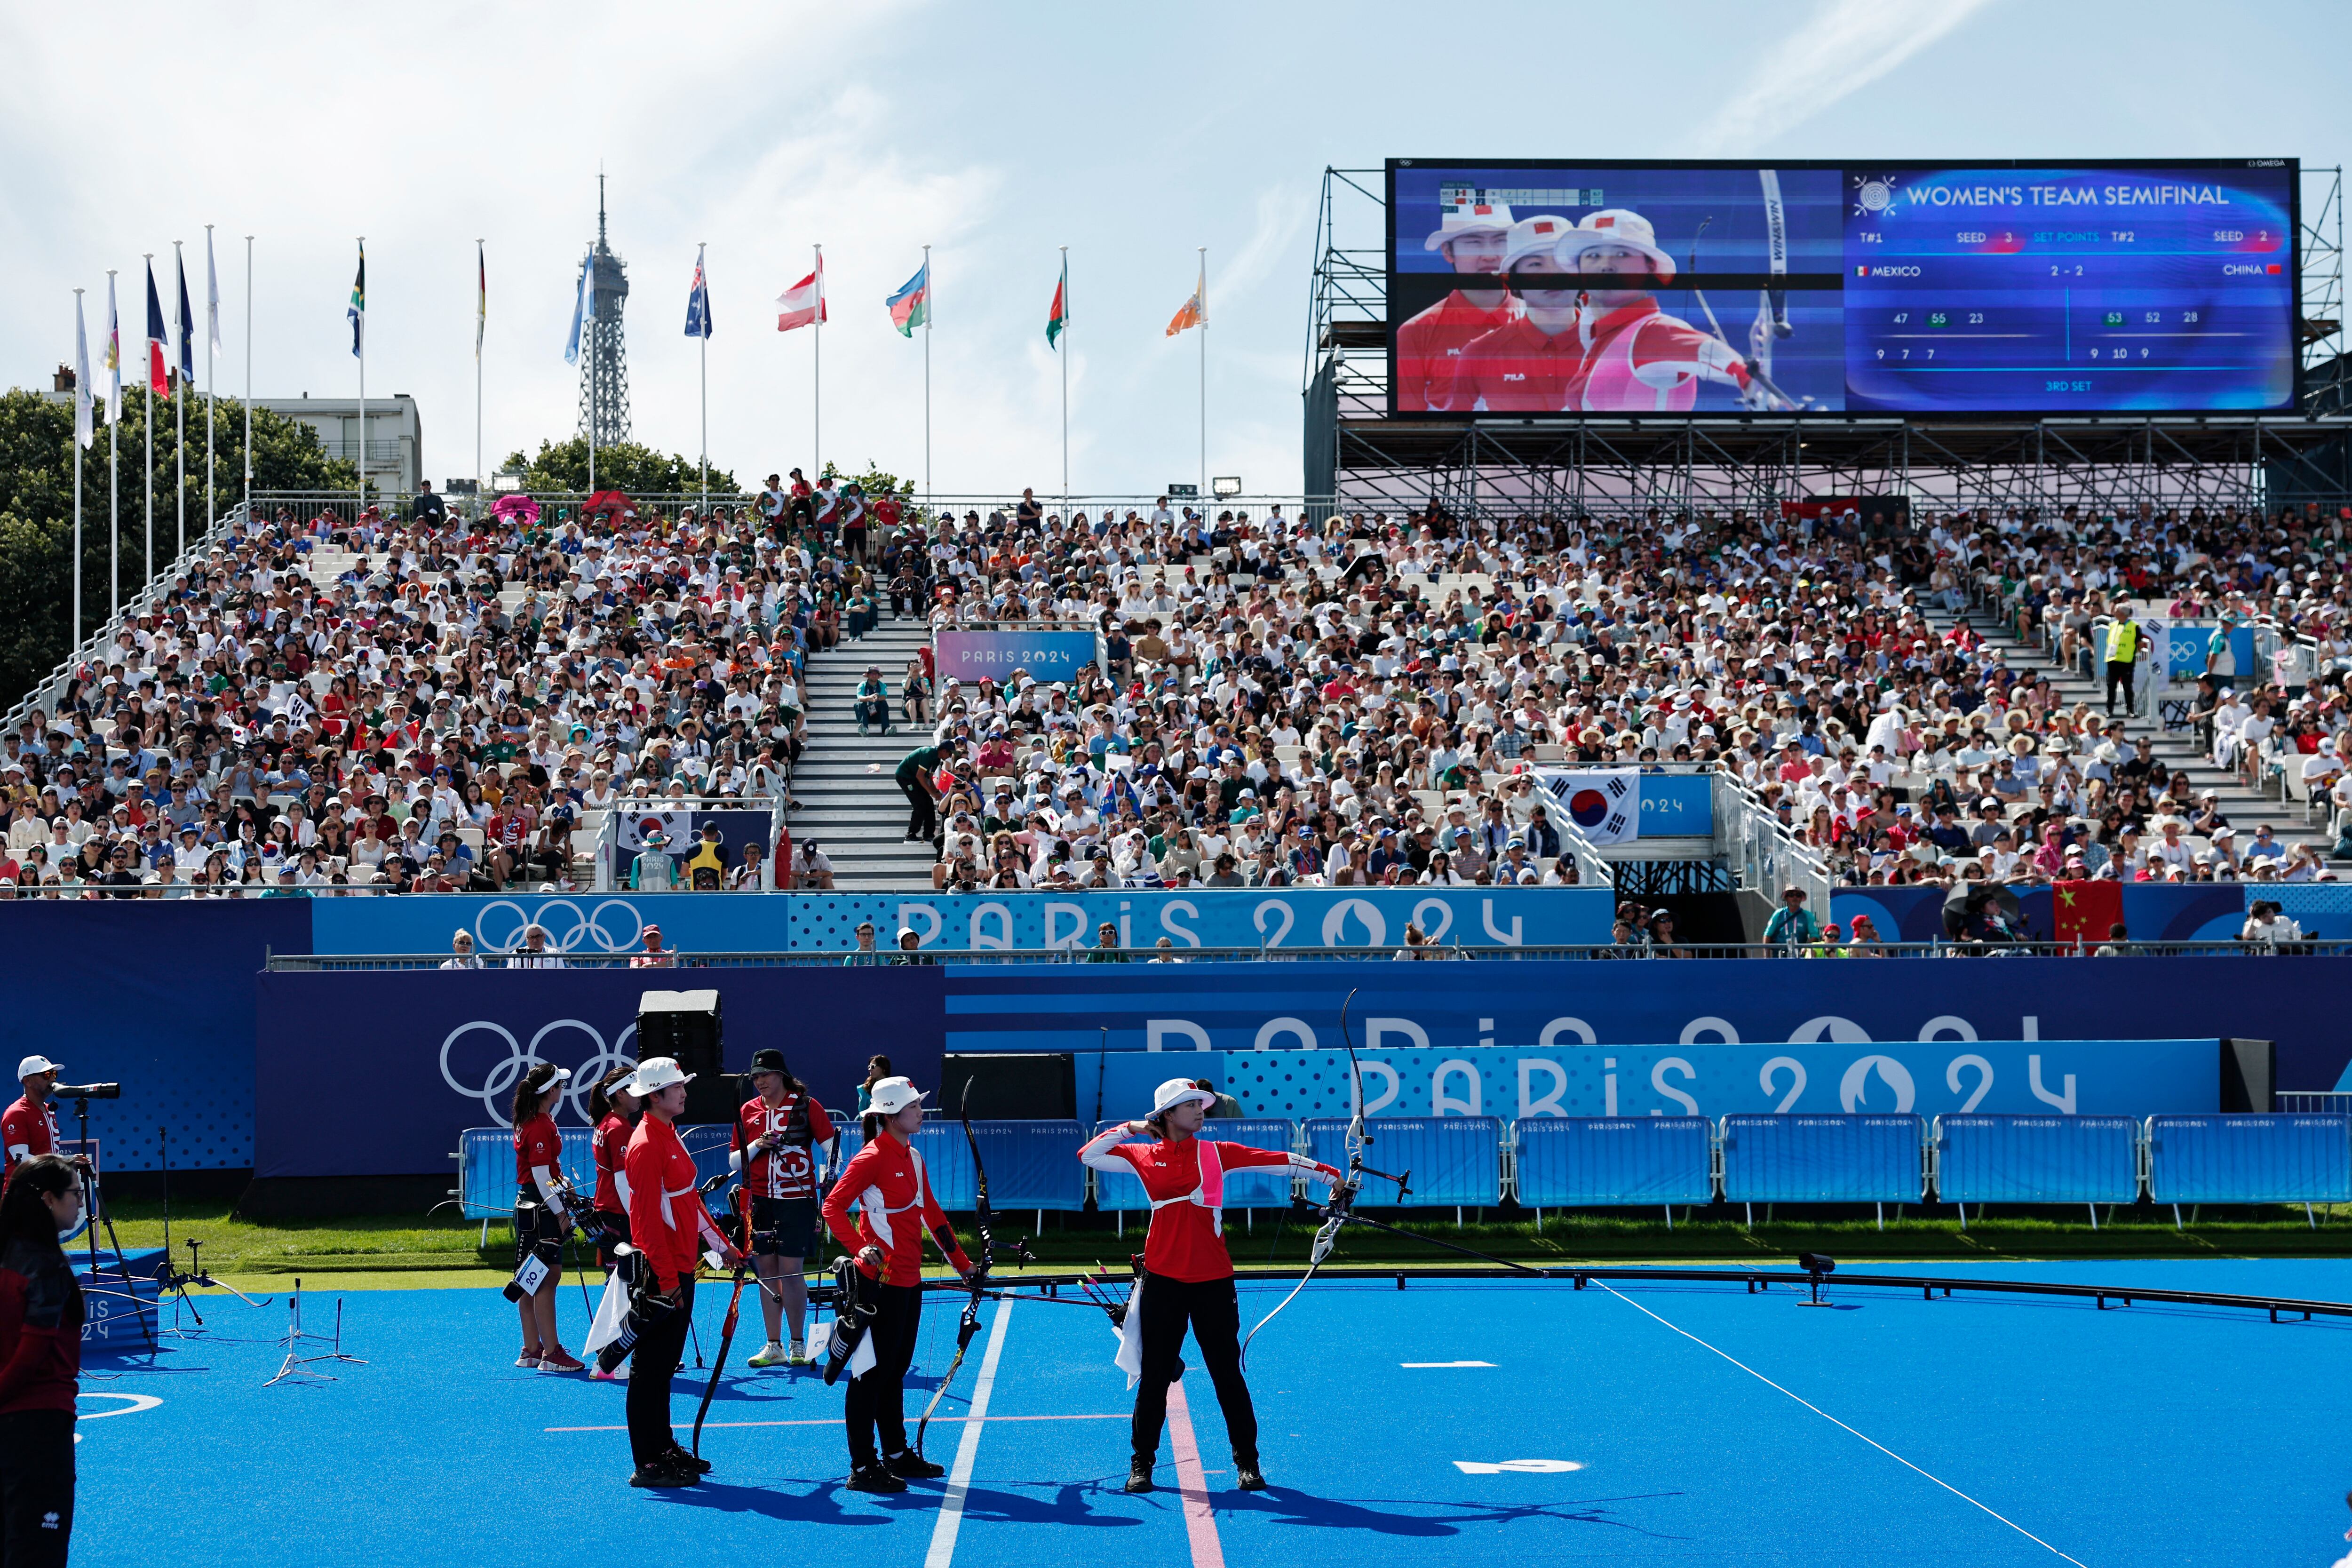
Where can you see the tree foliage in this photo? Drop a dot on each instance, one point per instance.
(36, 507)
(627, 466)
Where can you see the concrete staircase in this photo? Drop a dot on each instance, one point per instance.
(2177, 749)
(856, 816)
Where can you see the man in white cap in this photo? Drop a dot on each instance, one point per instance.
(1188, 1277)
(30, 1128)
(1638, 361)
(1534, 360)
(1472, 236)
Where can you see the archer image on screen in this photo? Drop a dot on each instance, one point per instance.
(1725, 289)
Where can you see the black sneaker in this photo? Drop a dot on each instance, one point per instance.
(912, 1466)
(874, 1478)
(660, 1473)
(1247, 1476)
(1138, 1475)
(682, 1459)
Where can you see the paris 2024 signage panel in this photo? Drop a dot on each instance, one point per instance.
(1913, 290)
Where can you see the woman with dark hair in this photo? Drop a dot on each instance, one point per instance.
(40, 1360)
(877, 1068)
(1188, 1277)
(778, 1132)
(542, 1217)
(886, 1184)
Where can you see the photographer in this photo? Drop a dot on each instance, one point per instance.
(543, 1218)
(777, 1133)
(30, 1128)
(40, 1360)
(884, 1180)
(667, 1223)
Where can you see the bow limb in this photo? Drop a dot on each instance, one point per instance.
(726, 1338)
(976, 1282)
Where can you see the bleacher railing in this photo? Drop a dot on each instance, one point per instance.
(1763, 853)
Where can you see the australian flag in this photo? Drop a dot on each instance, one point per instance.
(697, 302)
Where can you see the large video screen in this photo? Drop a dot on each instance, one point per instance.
(1891, 288)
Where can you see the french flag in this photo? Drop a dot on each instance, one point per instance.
(804, 303)
(158, 372)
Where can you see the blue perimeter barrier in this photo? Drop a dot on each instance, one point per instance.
(1821, 1159)
(2037, 1159)
(1266, 1188)
(1569, 1162)
(1453, 1161)
(486, 1164)
(1031, 1164)
(2250, 1159)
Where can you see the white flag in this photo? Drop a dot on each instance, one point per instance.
(212, 291)
(84, 431)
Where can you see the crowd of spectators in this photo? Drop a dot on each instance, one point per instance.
(435, 701)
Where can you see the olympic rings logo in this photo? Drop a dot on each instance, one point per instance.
(496, 1088)
(568, 927)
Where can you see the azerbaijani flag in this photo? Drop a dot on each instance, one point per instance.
(910, 307)
(1058, 316)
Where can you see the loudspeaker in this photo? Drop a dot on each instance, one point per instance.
(1022, 1085)
(685, 1025)
(2249, 1073)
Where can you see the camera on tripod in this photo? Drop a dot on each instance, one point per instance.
(87, 1091)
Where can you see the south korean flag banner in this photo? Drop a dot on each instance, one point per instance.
(1605, 804)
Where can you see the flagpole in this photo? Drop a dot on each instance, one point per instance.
(816, 463)
(701, 247)
(1204, 379)
(363, 336)
(149, 399)
(1065, 346)
(212, 313)
(180, 411)
(248, 375)
(81, 393)
(930, 308)
(113, 477)
(482, 311)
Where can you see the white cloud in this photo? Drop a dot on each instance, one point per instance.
(1845, 47)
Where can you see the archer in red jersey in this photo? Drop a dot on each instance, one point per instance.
(1472, 239)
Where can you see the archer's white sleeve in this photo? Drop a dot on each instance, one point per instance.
(1097, 1150)
(621, 1185)
(548, 1191)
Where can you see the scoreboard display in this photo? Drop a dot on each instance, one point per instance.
(1937, 289)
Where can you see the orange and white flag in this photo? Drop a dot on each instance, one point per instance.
(1195, 311)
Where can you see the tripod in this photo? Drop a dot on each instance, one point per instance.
(97, 1214)
(298, 1364)
(168, 1278)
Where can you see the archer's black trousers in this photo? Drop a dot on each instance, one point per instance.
(1213, 1313)
(37, 1488)
(878, 1400)
(661, 1340)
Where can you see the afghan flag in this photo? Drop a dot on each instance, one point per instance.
(910, 307)
(1058, 316)
(1195, 310)
(2082, 913)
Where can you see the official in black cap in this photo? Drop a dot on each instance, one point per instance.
(779, 1134)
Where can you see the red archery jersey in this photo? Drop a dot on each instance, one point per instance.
(1184, 1243)
(886, 1183)
(1428, 344)
(613, 1136)
(537, 1143)
(789, 1170)
(666, 1219)
(26, 1131)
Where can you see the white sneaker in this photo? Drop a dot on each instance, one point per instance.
(770, 1354)
(798, 1355)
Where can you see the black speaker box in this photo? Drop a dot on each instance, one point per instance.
(685, 1025)
(1014, 1086)
(2249, 1075)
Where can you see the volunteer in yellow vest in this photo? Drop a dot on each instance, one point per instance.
(2124, 645)
(706, 869)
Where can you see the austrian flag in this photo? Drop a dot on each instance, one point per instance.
(804, 303)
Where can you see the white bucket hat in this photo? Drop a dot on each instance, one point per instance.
(893, 1095)
(1615, 225)
(655, 1074)
(1530, 236)
(1468, 217)
(1176, 1091)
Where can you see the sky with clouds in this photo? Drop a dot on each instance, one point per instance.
(997, 134)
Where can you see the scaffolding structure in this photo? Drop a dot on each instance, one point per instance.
(1570, 465)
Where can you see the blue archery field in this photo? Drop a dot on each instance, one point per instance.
(2172, 1434)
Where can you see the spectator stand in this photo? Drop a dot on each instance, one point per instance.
(1612, 1162)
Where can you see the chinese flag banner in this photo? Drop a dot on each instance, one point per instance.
(2083, 911)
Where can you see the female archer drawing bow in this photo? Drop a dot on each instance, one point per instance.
(1187, 1279)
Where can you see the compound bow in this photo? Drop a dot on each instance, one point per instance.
(976, 1282)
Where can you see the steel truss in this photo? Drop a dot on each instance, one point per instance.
(1596, 467)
